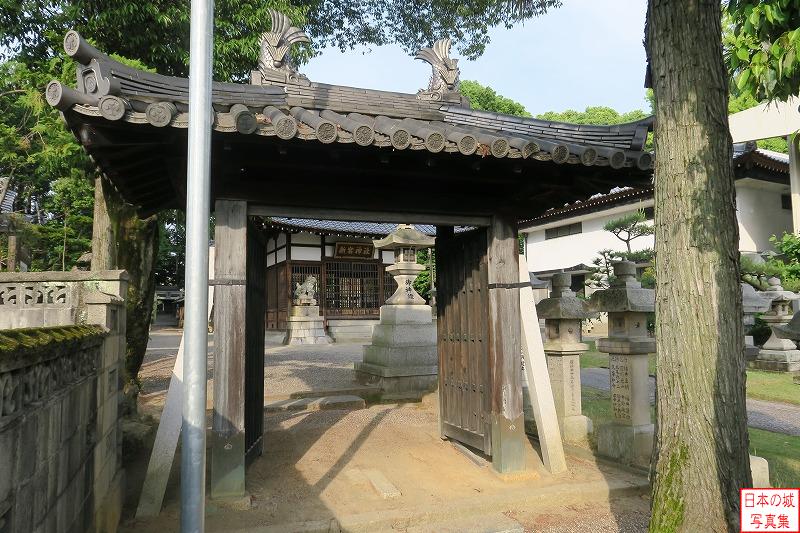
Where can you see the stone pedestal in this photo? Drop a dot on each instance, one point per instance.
(779, 353)
(402, 357)
(306, 326)
(629, 438)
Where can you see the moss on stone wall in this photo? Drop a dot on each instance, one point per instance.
(33, 342)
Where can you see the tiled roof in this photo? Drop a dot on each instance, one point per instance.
(769, 159)
(293, 107)
(348, 229)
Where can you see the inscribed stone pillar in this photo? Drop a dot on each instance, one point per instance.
(629, 438)
(563, 312)
(230, 271)
(780, 352)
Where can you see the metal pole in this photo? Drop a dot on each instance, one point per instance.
(193, 454)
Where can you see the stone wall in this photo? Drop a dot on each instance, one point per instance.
(60, 394)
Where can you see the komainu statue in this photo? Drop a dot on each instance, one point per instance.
(306, 291)
(444, 75)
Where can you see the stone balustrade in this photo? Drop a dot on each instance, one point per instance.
(60, 395)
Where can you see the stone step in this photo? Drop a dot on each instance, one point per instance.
(325, 403)
(491, 523)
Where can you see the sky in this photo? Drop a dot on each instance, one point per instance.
(585, 53)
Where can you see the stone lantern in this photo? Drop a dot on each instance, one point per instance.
(563, 313)
(402, 357)
(753, 302)
(779, 353)
(630, 437)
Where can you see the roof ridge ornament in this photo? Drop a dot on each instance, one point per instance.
(275, 58)
(444, 71)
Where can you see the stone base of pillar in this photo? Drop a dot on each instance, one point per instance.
(413, 380)
(305, 326)
(575, 429)
(777, 360)
(631, 445)
(750, 349)
(403, 356)
(759, 469)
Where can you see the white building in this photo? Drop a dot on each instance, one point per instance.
(569, 238)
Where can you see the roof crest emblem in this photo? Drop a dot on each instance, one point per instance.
(444, 70)
(274, 60)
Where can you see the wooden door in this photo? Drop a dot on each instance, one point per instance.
(463, 337)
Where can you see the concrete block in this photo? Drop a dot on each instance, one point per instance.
(395, 356)
(26, 451)
(54, 429)
(406, 314)
(631, 445)
(759, 469)
(63, 473)
(9, 440)
(40, 501)
(23, 508)
(397, 335)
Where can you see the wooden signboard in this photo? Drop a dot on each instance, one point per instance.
(354, 250)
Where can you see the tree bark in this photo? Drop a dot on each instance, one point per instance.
(701, 447)
(120, 239)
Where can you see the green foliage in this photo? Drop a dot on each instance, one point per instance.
(157, 31)
(761, 40)
(484, 97)
(785, 266)
(423, 282)
(598, 115)
(171, 262)
(629, 227)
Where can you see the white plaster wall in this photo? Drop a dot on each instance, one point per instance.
(760, 215)
(564, 252)
(304, 253)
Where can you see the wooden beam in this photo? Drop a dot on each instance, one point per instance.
(508, 422)
(539, 388)
(366, 216)
(227, 428)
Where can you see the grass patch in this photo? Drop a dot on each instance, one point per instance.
(772, 386)
(783, 454)
(781, 451)
(769, 386)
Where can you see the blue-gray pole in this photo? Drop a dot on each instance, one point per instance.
(193, 453)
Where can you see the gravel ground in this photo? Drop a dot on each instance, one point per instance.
(287, 369)
(770, 416)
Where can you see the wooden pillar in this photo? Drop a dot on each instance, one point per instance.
(104, 242)
(505, 348)
(230, 271)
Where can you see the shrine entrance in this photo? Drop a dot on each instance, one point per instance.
(289, 147)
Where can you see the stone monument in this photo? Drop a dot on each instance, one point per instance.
(779, 353)
(629, 438)
(753, 302)
(563, 313)
(305, 325)
(402, 357)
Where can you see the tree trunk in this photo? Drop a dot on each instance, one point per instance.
(701, 447)
(120, 239)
